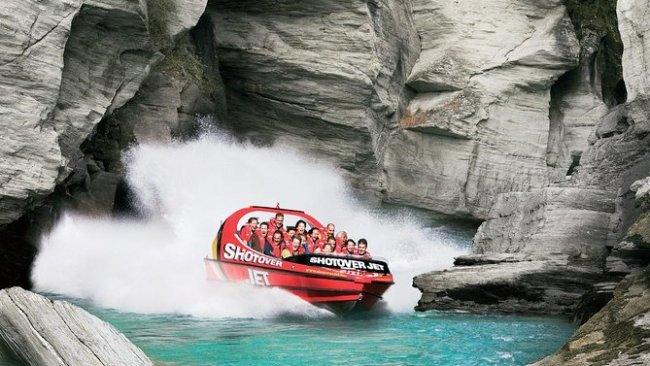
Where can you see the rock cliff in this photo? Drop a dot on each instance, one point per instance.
(550, 244)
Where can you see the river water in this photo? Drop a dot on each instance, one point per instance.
(146, 276)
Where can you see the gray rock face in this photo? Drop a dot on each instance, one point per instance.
(326, 77)
(41, 332)
(580, 217)
(619, 334)
(508, 284)
(32, 42)
(65, 65)
(479, 122)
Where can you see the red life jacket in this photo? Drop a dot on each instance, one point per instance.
(273, 228)
(277, 249)
(365, 256)
(245, 232)
(313, 245)
(346, 252)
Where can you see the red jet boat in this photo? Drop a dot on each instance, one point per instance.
(336, 283)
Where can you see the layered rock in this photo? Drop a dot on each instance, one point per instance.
(619, 334)
(66, 65)
(577, 219)
(44, 332)
(67, 68)
(326, 77)
(31, 64)
(478, 124)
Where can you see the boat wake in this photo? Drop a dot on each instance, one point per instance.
(154, 265)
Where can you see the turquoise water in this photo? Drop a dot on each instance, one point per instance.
(431, 338)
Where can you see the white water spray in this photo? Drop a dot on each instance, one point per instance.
(155, 265)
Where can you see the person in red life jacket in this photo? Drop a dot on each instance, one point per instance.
(291, 231)
(329, 230)
(301, 226)
(248, 229)
(303, 243)
(327, 248)
(275, 246)
(362, 249)
(350, 248)
(277, 223)
(294, 249)
(314, 241)
(341, 240)
(263, 232)
(331, 241)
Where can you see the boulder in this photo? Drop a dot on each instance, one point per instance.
(41, 332)
(507, 285)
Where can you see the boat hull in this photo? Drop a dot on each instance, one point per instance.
(337, 292)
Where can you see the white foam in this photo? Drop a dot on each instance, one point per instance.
(155, 265)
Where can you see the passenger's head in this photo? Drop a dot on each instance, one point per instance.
(328, 248)
(291, 231)
(332, 241)
(279, 220)
(330, 229)
(362, 246)
(342, 236)
(350, 245)
(301, 225)
(314, 233)
(264, 228)
(253, 221)
(295, 243)
(277, 237)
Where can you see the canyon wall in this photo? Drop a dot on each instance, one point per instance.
(562, 248)
(531, 116)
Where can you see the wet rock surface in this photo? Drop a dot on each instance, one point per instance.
(42, 332)
(619, 334)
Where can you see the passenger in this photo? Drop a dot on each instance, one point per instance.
(327, 248)
(277, 223)
(275, 246)
(362, 249)
(331, 241)
(330, 229)
(263, 232)
(301, 225)
(248, 229)
(314, 241)
(350, 248)
(291, 231)
(295, 248)
(341, 239)
(303, 243)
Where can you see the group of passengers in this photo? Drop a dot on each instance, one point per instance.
(272, 238)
